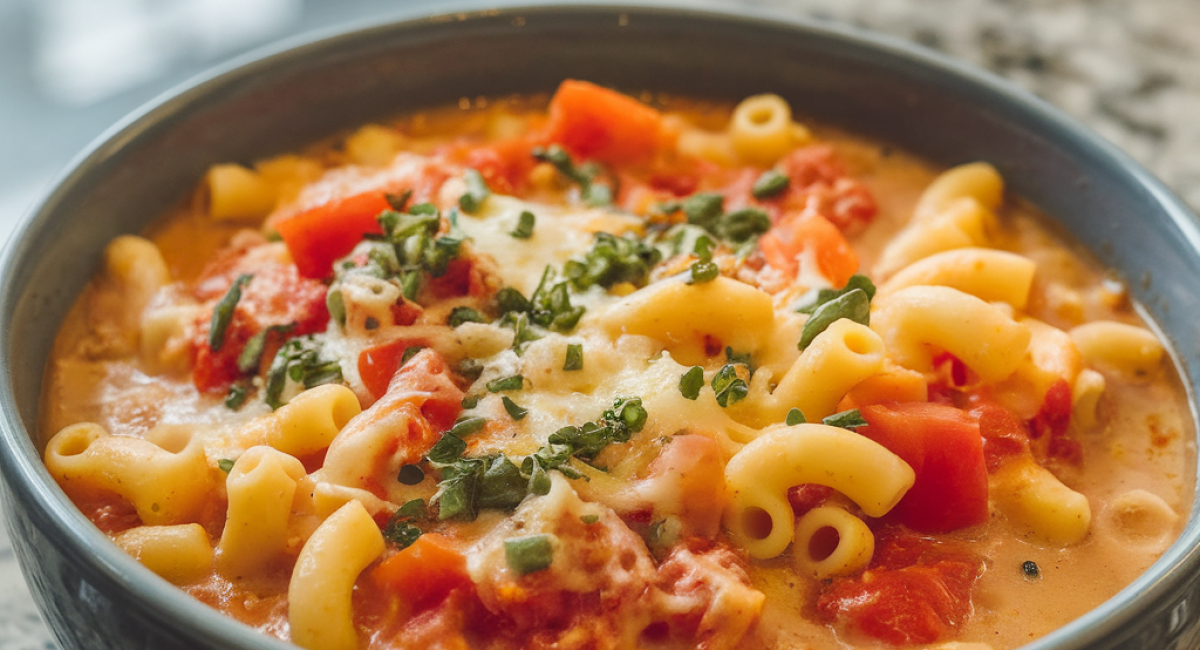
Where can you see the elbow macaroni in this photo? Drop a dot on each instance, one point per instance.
(164, 486)
(319, 607)
(838, 359)
(260, 487)
(760, 518)
(917, 321)
(832, 542)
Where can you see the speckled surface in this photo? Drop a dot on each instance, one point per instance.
(1129, 70)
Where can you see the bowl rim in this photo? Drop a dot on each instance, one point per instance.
(28, 480)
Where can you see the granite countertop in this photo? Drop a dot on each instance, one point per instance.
(1130, 71)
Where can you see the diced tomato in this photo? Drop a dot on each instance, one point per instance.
(214, 370)
(915, 591)
(591, 121)
(320, 235)
(944, 447)
(460, 279)
(676, 184)
(425, 375)
(807, 496)
(275, 295)
(835, 259)
(505, 164)
(406, 313)
(817, 178)
(1054, 418)
(1004, 436)
(378, 364)
(425, 573)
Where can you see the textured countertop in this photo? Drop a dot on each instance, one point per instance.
(1130, 71)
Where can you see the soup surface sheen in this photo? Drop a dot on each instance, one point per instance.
(616, 372)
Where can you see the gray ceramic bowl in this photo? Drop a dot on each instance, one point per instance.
(94, 596)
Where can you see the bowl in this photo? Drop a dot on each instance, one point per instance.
(94, 596)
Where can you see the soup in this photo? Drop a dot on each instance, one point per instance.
(606, 372)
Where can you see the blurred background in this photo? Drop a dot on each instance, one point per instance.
(69, 69)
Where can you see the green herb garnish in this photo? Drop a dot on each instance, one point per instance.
(769, 184)
(336, 304)
(525, 223)
(299, 360)
(593, 192)
(528, 554)
(729, 387)
(225, 465)
(250, 357)
(794, 416)
(574, 359)
(855, 306)
(223, 312)
(851, 419)
(410, 352)
(477, 192)
(501, 384)
(236, 396)
(465, 426)
(826, 295)
(612, 260)
(399, 529)
(514, 411)
(703, 269)
(691, 382)
(460, 315)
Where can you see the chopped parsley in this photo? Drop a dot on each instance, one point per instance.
(852, 301)
(509, 300)
(525, 222)
(729, 387)
(236, 396)
(515, 411)
(469, 484)
(703, 269)
(528, 554)
(707, 210)
(550, 305)
(467, 425)
(469, 369)
(225, 465)
(574, 359)
(691, 382)
(223, 312)
(501, 384)
(400, 530)
(794, 416)
(851, 419)
(477, 192)
(299, 360)
(612, 260)
(460, 315)
(336, 304)
(825, 295)
(408, 252)
(410, 352)
(769, 184)
(593, 191)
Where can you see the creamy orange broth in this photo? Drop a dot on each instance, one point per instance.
(1140, 441)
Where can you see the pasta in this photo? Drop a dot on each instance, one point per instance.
(587, 372)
